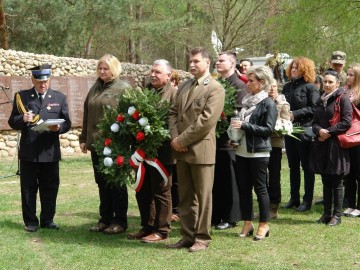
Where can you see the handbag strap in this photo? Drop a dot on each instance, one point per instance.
(337, 104)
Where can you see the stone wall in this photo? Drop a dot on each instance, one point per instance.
(17, 63)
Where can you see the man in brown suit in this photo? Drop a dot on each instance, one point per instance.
(154, 198)
(192, 123)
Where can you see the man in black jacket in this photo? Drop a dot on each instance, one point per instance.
(39, 152)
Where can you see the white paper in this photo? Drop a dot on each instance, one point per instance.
(41, 126)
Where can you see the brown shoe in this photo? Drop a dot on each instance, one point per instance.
(99, 227)
(181, 244)
(138, 235)
(114, 229)
(197, 246)
(152, 238)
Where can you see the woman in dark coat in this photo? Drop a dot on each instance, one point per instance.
(327, 157)
(302, 95)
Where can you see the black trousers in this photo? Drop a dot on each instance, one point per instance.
(113, 200)
(333, 193)
(44, 177)
(226, 202)
(154, 201)
(274, 185)
(352, 187)
(174, 191)
(298, 152)
(252, 173)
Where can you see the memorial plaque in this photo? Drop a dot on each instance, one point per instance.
(8, 87)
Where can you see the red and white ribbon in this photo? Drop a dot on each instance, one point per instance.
(137, 160)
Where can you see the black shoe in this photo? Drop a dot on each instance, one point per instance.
(291, 204)
(325, 219)
(50, 225)
(335, 220)
(30, 228)
(304, 207)
(225, 225)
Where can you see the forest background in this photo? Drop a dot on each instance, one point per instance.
(139, 31)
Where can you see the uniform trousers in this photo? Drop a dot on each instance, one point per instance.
(113, 200)
(195, 206)
(226, 206)
(252, 173)
(154, 201)
(42, 176)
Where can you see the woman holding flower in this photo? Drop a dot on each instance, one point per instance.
(277, 144)
(105, 92)
(257, 121)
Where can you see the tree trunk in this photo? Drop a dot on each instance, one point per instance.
(89, 42)
(131, 44)
(139, 39)
(4, 42)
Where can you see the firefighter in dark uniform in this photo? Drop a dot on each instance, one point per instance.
(39, 152)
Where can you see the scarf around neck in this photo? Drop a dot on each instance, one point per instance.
(249, 104)
(325, 97)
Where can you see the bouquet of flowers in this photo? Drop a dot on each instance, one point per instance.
(229, 108)
(136, 127)
(285, 127)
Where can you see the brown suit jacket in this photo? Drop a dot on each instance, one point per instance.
(194, 121)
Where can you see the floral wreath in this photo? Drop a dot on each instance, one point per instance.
(229, 108)
(130, 134)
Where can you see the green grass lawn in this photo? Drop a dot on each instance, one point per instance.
(296, 241)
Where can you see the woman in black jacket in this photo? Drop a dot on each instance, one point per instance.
(302, 95)
(257, 122)
(327, 157)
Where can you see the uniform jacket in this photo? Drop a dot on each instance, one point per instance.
(194, 121)
(40, 146)
(101, 94)
(260, 126)
(165, 152)
(302, 97)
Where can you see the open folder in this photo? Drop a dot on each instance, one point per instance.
(42, 125)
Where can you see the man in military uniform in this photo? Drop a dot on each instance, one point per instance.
(338, 60)
(39, 152)
(275, 62)
(192, 122)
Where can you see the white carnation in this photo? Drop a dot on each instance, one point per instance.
(147, 129)
(115, 127)
(143, 121)
(131, 110)
(107, 151)
(108, 161)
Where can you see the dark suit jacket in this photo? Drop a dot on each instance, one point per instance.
(40, 146)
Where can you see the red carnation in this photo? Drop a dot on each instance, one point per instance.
(107, 142)
(120, 118)
(119, 161)
(223, 116)
(140, 136)
(136, 115)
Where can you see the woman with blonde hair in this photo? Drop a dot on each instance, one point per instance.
(352, 186)
(105, 92)
(257, 122)
(302, 95)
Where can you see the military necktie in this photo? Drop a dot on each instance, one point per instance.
(192, 89)
(41, 98)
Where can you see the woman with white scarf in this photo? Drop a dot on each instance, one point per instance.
(327, 157)
(258, 117)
